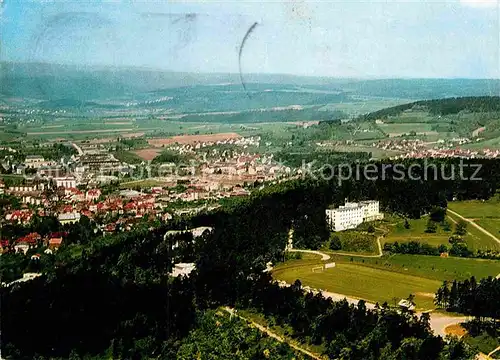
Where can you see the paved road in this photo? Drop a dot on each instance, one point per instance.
(494, 351)
(476, 226)
(438, 321)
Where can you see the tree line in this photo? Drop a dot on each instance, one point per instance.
(441, 106)
(471, 297)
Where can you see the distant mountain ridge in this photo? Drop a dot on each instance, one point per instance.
(105, 85)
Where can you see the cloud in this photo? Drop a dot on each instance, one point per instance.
(481, 3)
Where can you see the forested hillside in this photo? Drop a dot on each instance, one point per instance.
(441, 107)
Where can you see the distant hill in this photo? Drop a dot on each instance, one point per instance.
(442, 106)
(54, 82)
(51, 82)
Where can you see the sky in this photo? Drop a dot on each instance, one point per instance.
(381, 39)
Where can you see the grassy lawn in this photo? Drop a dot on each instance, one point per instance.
(486, 214)
(476, 239)
(361, 282)
(484, 343)
(385, 278)
(430, 267)
(476, 209)
(416, 232)
(491, 225)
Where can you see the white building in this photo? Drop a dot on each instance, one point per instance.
(350, 215)
(65, 182)
(183, 269)
(34, 161)
(67, 218)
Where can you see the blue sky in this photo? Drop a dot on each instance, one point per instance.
(454, 38)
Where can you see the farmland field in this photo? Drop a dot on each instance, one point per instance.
(191, 139)
(405, 128)
(376, 152)
(148, 154)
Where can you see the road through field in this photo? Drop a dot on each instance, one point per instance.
(475, 225)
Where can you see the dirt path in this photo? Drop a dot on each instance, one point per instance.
(494, 351)
(324, 256)
(274, 335)
(476, 226)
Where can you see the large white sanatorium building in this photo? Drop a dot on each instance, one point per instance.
(350, 215)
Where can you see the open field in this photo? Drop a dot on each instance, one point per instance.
(475, 239)
(484, 343)
(491, 225)
(416, 232)
(490, 144)
(381, 279)
(430, 267)
(376, 152)
(148, 154)
(146, 183)
(374, 285)
(485, 214)
(192, 139)
(475, 209)
(405, 128)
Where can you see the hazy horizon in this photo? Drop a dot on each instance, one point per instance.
(84, 67)
(455, 39)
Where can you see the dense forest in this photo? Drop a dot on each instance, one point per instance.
(441, 106)
(112, 295)
(471, 297)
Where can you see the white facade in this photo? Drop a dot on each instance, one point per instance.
(350, 215)
(182, 269)
(66, 218)
(65, 182)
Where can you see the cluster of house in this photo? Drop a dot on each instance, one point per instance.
(24, 243)
(243, 142)
(418, 149)
(450, 153)
(352, 214)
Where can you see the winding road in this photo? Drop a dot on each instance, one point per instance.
(325, 257)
